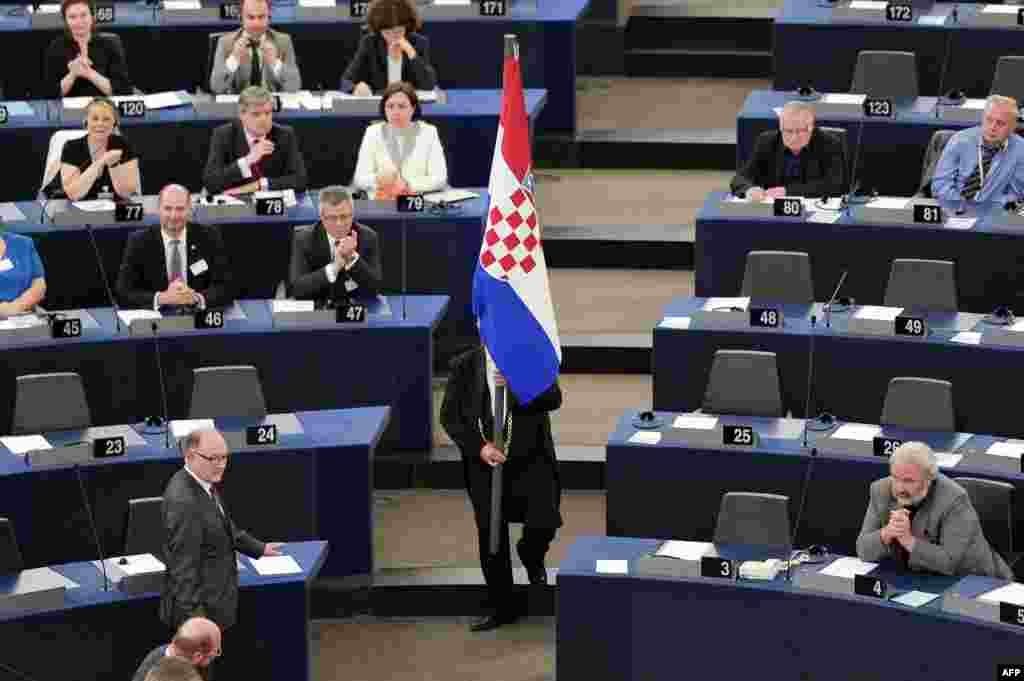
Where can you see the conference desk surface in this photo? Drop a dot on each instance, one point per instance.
(386, 360)
(106, 634)
(317, 484)
(891, 149)
(851, 372)
(173, 144)
(696, 474)
(810, 27)
(169, 53)
(642, 627)
(259, 250)
(987, 256)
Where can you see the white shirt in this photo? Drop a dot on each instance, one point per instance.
(231, 64)
(243, 165)
(207, 487)
(331, 269)
(395, 68)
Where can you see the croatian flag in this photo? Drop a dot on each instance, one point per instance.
(511, 296)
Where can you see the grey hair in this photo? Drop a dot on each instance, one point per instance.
(918, 454)
(795, 107)
(1001, 100)
(334, 195)
(252, 96)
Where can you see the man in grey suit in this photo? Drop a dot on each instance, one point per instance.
(335, 259)
(255, 55)
(201, 578)
(925, 521)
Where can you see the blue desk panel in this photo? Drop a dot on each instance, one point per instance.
(989, 259)
(466, 52)
(103, 636)
(315, 485)
(386, 361)
(650, 628)
(851, 372)
(173, 144)
(806, 27)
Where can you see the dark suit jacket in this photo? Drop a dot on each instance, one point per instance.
(107, 55)
(311, 252)
(823, 166)
(285, 168)
(370, 65)
(532, 491)
(202, 575)
(144, 267)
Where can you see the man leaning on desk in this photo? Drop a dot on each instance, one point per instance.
(984, 163)
(925, 521)
(177, 265)
(255, 54)
(796, 160)
(253, 153)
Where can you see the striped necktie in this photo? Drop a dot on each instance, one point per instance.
(972, 185)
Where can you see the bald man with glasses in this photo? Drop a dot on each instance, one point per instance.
(201, 539)
(798, 159)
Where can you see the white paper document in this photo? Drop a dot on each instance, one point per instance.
(868, 4)
(292, 305)
(9, 212)
(684, 550)
(140, 564)
(184, 427)
(889, 202)
(612, 567)
(452, 3)
(824, 217)
(95, 205)
(1017, 326)
(645, 437)
(164, 100)
(450, 196)
(422, 95)
(915, 599)
(878, 312)
(967, 338)
(22, 444)
(290, 100)
(1011, 593)
(999, 9)
(317, 3)
(225, 99)
(681, 323)
(276, 565)
(1011, 449)
(695, 421)
(182, 4)
(849, 567)
(129, 316)
(718, 303)
(842, 98)
(76, 102)
(947, 459)
(978, 104)
(962, 224)
(857, 431)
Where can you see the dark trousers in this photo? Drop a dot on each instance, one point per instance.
(497, 569)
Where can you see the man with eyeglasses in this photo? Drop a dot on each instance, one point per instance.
(337, 258)
(201, 578)
(197, 642)
(796, 160)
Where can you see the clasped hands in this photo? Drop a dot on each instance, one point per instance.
(345, 250)
(898, 529)
(268, 52)
(390, 185)
(178, 293)
(770, 193)
(81, 66)
(489, 454)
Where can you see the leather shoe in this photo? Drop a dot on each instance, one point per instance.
(491, 622)
(537, 575)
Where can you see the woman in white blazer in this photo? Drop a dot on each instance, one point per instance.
(400, 155)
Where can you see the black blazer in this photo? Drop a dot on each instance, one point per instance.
(285, 168)
(144, 267)
(370, 65)
(532, 490)
(823, 166)
(107, 55)
(199, 552)
(311, 252)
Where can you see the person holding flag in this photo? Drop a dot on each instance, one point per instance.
(508, 456)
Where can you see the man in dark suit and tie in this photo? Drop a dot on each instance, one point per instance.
(335, 259)
(175, 264)
(253, 153)
(201, 539)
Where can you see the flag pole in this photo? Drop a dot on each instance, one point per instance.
(494, 544)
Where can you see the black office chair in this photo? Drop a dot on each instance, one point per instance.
(993, 502)
(743, 383)
(885, 74)
(144, 531)
(842, 138)
(10, 556)
(919, 404)
(753, 518)
(45, 402)
(1008, 79)
(778, 276)
(932, 154)
(924, 284)
(227, 391)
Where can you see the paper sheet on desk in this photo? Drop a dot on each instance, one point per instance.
(960, 223)
(889, 202)
(19, 109)
(717, 303)
(1011, 593)
(675, 323)
(422, 95)
(292, 305)
(915, 599)
(868, 4)
(182, 4)
(129, 316)
(1011, 449)
(645, 437)
(947, 459)
(165, 100)
(141, 564)
(849, 567)
(10, 212)
(967, 338)
(276, 565)
(684, 550)
(184, 427)
(695, 421)
(825, 217)
(95, 205)
(22, 321)
(290, 100)
(317, 3)
(843, 98)
(878, 312)
(612, 567)
(452, 3)
(999, 9)
(222, 99)
(20, 444)
(857, 431)
(450, 196)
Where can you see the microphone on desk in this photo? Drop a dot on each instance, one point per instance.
(810, 377)
(800, 512)
(163, 386)
(953, 96)
(849, 197)
(92, 526)
(103, 276)
(827, 310)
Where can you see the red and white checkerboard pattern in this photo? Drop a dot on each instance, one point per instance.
(511, 236)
